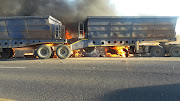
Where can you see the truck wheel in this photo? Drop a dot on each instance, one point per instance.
(157, 51)
(175, 51)
(89, 49)
(7, 53)
(63, 52)
(43, 52)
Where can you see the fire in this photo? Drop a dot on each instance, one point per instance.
(78, 53)
(50, 45)
(55, 56)
(68, 35)
(84, 34)
(117, 51)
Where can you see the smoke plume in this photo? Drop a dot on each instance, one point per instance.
(70, 12)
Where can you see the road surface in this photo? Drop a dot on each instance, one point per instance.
(90, 79)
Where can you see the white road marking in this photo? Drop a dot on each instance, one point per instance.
(12, 67)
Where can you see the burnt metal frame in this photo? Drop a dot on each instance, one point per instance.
(83, 43)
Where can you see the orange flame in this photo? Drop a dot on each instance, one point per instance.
(50, 45)
(68, 35)
(55, 56)
(84, 34)
(119, 51)
(78, 53)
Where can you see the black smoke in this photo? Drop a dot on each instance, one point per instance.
(70, 12)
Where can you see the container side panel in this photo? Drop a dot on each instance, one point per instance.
(131, 27)
(164, 27)
(2, 23)
(99, 22)
(16, 35)
(28, 28)
(165, 21)
(16, 28)
(39, 28)
(99, 34)
(15, 22)
(143, 27)
(121, 34)
(4, 35)
(37, 22)
(3, 29)
(143, 21)
(99, 28)
(124, 21)
(164, 34)
(121, 28)
(39, 35)
(142, 34)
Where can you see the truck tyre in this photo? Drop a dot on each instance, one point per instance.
(157, 51)
(175, 51)
(44, 52)
(89, 49)
(7, 53)
(63, 52)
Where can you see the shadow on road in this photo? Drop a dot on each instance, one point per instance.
(18, 59)
(150, 93)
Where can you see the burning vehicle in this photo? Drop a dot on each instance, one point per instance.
(121, 36)
(110, 36)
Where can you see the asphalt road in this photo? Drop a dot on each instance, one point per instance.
(91, 79)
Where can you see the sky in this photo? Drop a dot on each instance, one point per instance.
(148, 8)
